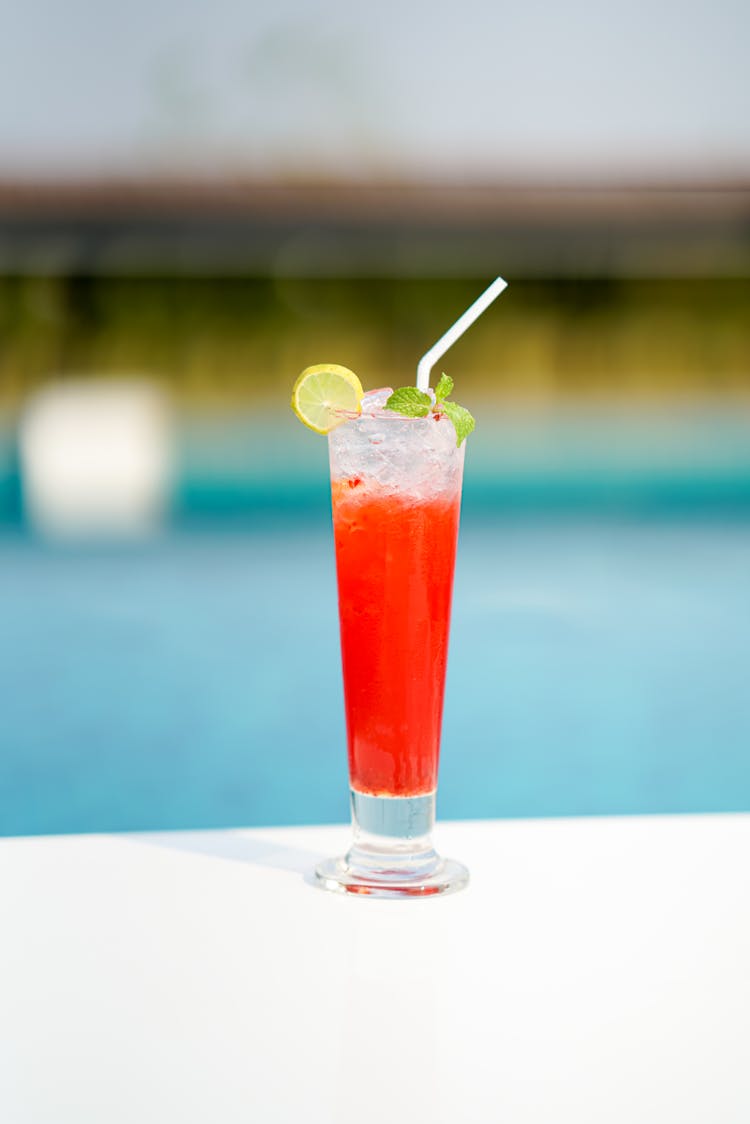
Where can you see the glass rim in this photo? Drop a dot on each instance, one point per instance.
(390, 416)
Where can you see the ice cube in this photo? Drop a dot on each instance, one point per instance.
(374, 401)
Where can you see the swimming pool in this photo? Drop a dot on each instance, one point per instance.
(597, 666)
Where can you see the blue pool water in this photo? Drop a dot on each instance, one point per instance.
(597, 666)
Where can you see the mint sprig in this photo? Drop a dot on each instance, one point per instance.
(413, 403)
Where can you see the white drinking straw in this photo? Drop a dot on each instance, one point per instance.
(428, 361)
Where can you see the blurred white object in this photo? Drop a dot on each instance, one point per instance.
(96, 458)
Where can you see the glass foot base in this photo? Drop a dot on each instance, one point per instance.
(392, 854)
(340, 875)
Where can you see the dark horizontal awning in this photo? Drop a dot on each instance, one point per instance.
(387, 229)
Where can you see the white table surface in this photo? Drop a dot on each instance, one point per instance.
(595, 970)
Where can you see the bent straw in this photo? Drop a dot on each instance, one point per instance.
(430, 358)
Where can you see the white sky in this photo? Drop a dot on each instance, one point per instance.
(466, 87)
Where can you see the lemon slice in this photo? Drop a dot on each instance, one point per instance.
(324, 395)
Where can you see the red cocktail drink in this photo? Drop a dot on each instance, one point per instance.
(396, 491)
(397, 462)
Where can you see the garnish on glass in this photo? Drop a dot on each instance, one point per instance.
(413, 403)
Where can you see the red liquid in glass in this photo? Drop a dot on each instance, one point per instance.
(394, 559)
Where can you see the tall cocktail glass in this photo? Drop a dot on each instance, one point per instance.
(396, 496)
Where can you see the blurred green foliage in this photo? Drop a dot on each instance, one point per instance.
(226, 341)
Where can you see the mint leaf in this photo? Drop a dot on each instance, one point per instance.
(444, 388)
(463, 422)
(409, 401)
